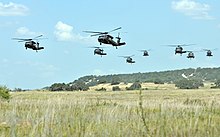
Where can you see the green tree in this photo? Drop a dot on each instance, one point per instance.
(4, 92)
(79, 86)
(115, 80)
(158, 81)
(189, 84)
(58, 87)
(216, 84)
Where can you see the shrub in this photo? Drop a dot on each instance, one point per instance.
(78, 86)
(115, 81)
(189, 84)
(116, 88)
(58, 87)
(101, 89)
(216, 84)
(4, 92)
(134, 86)
(158, 81)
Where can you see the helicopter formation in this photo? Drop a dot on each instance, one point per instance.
(106, 38)
(179, 50)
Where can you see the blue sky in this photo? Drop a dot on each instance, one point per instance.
(66, 57)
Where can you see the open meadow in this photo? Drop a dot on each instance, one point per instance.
(125, 113)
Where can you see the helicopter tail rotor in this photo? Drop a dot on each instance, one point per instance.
(119, 39)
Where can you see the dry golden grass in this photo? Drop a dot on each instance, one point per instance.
(126, 113)
(150, 86)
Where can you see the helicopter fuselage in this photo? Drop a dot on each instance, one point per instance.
(191, 55)
(108, 39)
(33, 45)
(209, 53)
(179, 50)
(129, 60)
(145, 53)
(99, 52)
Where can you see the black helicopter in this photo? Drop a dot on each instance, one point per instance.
(179, 48)
(99, 51)
(128, 59)
(105, 38)
(190, 55)
(145, 52)
(30, 43)
(209, 52)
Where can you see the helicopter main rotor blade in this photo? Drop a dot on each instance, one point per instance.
(96, 47)
(187, 44)
(123, 56)
(21, 40)
(206, 50)
(143, 50)
(126, 56)
(175, 45)
(92, 32)
(98, 34)
(38, 37)
(171, 45)
(209, 49)
(114, 29)
(41, 38)
(189, 51)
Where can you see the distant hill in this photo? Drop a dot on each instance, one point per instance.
(204, 74)
(171, 76)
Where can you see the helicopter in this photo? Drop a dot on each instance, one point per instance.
(208, 52)
(190, 54)
(105, 38)
(179, 48)
(99, 51)
(128, 59)
(30, 43)
(145, 52)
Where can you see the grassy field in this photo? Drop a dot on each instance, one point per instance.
(150, 86)
(126, 113)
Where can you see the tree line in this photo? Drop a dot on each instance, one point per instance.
(195, 79)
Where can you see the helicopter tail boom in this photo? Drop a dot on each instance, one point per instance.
(39, 48)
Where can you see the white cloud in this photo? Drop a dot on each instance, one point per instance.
(13, 9)
(194, 9)
(24, 31)
(64, 32)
